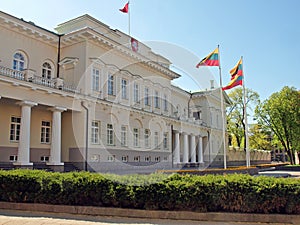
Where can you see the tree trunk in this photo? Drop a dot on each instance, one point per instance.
(291, 156)
(238, 141)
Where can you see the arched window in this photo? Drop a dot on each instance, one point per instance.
(47, 70)
(19, 61)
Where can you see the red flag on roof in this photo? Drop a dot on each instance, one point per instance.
(125, 9)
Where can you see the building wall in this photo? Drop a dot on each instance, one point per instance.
(36, 52)
(73, 72)
(11, 109)
(39, 114)
(6, 111)
(73, 132)
(71, 101)
(237, 157)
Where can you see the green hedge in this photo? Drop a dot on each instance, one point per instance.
(210, 193)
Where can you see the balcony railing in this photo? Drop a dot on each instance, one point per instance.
(20, 75)
(30, 76)
(70, 88)
(43, 81)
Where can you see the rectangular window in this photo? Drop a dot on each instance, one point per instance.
(110, 85)
(135, 137)
(136, 158)
(125, 158)
(165, 103)
(15, 127)
(95, 158)
(136, 93)
(147, 158)
(96, 80)
(45, 132)
(95, 132)
(124, 88)
(123, 136)
(156, 99)
(111, 158)
(197, 115)
(110, 134)
(147, 102)
(13, 158)
(44, 158)
(147, 138)
(166, 141)
(156, 140)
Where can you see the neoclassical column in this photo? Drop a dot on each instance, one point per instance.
(177, 147)
(24, 141)
(210, 148)
(200, 150)
(55, 151)
(193, 148)
(185, 148)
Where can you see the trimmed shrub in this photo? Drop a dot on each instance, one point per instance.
(209, 193)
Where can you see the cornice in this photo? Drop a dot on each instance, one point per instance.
(28, 29)
(213, 93)
(180, 91)
(101, 39)
(31, 30)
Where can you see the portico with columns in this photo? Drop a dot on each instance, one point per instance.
(25, 146)
(188, 148)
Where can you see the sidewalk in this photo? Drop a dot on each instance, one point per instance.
(283, 173)
(43, 214)
(13, 217)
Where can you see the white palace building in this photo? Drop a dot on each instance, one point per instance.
(86, 98)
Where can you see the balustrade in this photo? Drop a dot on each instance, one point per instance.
(12, 73)
(20, 75)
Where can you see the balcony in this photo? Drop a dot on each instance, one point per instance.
(29, 76)
(19, 75)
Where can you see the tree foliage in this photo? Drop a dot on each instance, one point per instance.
(260, 137)
(235, 113)
(281, 113)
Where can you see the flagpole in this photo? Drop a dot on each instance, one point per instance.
(222, 111)
(246, 122)
(129, 7)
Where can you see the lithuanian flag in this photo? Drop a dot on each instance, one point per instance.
(238, 69)
(236, 80)
(211, 60)
(236, 76)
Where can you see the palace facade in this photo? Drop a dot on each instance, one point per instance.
(93, 98)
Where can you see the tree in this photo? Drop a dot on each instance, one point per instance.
(281, 113)
(260, 138)
(235, 113)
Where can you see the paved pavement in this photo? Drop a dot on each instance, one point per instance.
(13, 217)
(281, 173)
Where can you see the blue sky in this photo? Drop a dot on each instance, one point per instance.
(266, 33)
